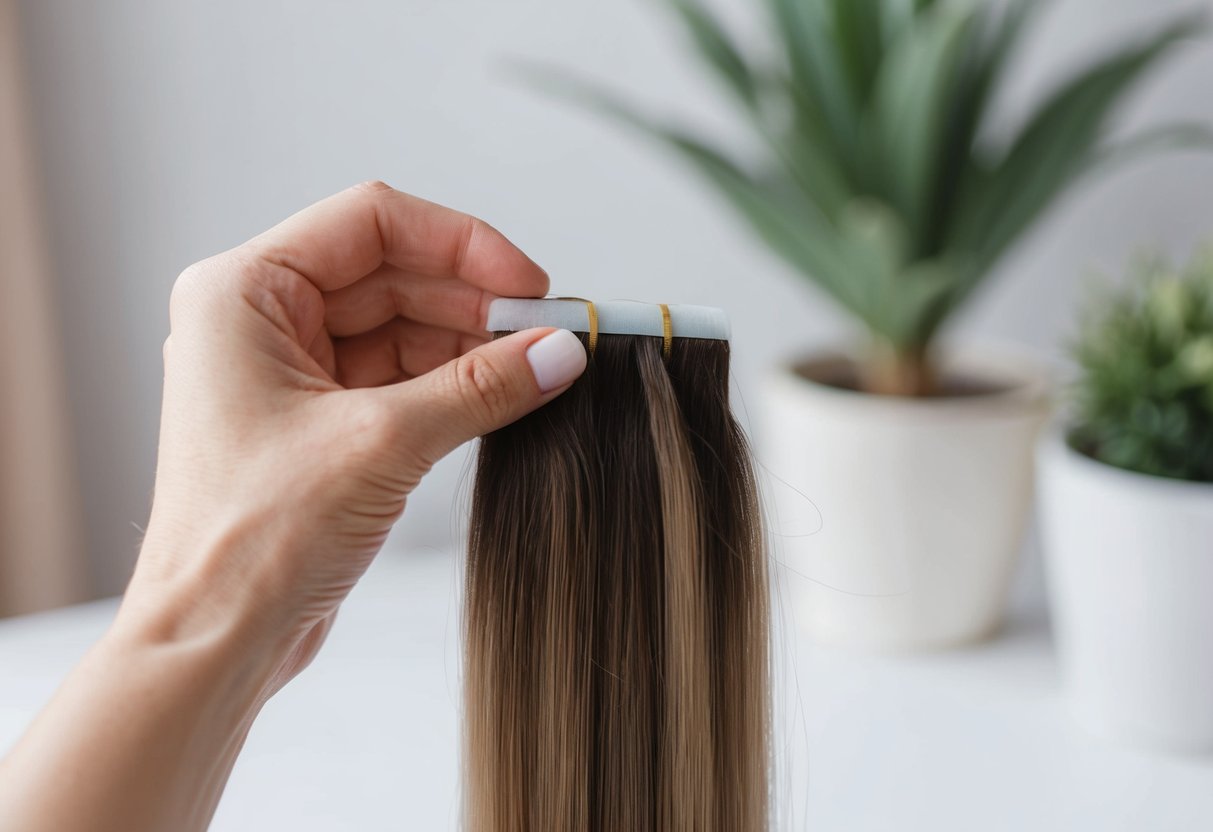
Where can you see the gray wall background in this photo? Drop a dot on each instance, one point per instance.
(171, 130)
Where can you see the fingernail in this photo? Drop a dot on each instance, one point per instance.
(556, 359)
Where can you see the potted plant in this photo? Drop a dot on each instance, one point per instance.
(877, 180)
(1127, 513)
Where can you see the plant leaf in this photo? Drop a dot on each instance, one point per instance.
(813, 163)
(988, 55)
(858, 26)
(874, 185)
(817, 68)
(816, 250)
(1052, 150)
(717, 49)
(920, 302)
(911, 105)
(793, 229)
(987, 63)
(1182, 136)
(897, 15)
(878, 240)
(777, 212)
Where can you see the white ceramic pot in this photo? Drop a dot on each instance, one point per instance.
(1129, 562)
(900, 519)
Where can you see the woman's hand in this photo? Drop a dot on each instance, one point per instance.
(312, 376)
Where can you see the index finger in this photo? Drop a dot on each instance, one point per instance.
(348, 235)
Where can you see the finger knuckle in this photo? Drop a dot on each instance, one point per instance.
(186, 293)
(369, 430)
(207, 281)
(373, 186)
(482, 387)
(378, 422)
(186, 284)
(472, 227)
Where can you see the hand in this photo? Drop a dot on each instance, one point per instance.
(312, 377)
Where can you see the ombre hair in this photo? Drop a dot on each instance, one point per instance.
(616, 607)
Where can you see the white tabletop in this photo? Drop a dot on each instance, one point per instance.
(367, 738)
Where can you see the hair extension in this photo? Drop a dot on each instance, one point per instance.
(616, 607)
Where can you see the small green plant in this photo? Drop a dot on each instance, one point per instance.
(878, 179)
(1144, 400)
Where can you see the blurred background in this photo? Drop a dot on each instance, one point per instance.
(139, 136)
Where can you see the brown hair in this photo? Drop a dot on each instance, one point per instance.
(616, 607)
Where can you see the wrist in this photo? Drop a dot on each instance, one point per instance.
(189, 601)
(142, 734)
(226, 670)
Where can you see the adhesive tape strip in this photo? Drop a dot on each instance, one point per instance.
(615, 317)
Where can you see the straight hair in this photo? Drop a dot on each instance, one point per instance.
(616, 609)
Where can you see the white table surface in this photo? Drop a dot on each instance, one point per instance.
(367, 738)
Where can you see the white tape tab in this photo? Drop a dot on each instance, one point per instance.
(615, 317)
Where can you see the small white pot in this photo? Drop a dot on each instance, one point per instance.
(900, 519)
(1129, 561)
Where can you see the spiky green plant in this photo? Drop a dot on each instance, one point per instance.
(1144, 398)
(877, 178)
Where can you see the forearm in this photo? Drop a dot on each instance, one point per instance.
(291, 437)
(143, 733)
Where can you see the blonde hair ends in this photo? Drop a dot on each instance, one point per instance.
(616, 607)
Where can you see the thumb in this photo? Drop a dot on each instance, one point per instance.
(487, 388)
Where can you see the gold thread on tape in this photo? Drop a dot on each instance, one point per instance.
(592, 314)
(667, 331)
